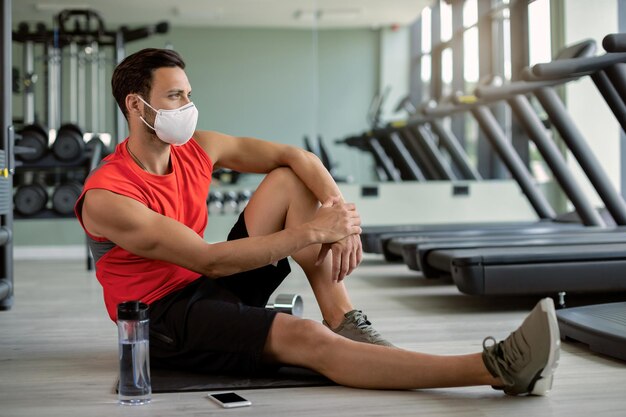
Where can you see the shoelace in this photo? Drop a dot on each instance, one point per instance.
(365, 326)
(506, 355)
(512, 352)
(361, 320)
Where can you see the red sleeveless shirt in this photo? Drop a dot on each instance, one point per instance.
(180, 195)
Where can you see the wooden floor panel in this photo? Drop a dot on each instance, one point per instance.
(58, 353)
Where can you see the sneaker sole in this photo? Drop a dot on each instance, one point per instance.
(544, 382)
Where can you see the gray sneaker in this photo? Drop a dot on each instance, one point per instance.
(355, 326)
(527, 359)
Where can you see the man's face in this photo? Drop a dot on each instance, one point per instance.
(170, 90)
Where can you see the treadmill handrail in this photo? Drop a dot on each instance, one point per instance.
(457, 154)
(576, 67)
(528, 119)
(615, 42)
(582, 50)
(505, 92)
(498, 140)
(486, 95)
(445, 110)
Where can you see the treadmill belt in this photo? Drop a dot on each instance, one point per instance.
(371, 235)
(392, 244)
(538, 254)
(602, 327)
(536, 270)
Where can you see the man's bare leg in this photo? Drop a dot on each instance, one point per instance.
(308, 344)
(523, 363)
(280, 201)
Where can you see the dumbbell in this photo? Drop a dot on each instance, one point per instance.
(69, 144)
(30, 199)
(243, 198)
(93, 142)
(65, 196)
(230, 203)
(215, 202)
(35, 138)
(288, 303)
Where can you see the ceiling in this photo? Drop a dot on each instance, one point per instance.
(232, 13)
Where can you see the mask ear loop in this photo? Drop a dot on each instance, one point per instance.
(146, 103)
(141, 117)
(146, 123)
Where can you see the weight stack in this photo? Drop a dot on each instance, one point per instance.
(6, 192)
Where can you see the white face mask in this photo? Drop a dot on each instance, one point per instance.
(174, 126)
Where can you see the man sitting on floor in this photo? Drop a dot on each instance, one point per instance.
(144, 211)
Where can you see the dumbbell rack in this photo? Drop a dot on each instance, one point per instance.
(225, 202)
(87, 162)
(52, 165)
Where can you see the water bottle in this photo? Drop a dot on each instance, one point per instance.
(133, 331)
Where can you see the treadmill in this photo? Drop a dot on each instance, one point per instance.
(410, 168)
(391, 162)
(428, 136)
(372, 235)
(385, 167)
(408, 248)
(420, 142)
(396, 246)
(419, 135)
(486, 261)
(603, 326)
(454, 149)
(412, 152)
(579, 267)
(416, 154)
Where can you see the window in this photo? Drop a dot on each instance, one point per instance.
(445, 12)
(470, 13)
(539, 33)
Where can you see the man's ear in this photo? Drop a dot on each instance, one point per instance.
(133, 104)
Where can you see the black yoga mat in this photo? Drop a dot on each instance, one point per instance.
(164, 380)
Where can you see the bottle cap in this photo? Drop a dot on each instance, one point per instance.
(132, 310)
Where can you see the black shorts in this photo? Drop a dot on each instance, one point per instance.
(216, 325)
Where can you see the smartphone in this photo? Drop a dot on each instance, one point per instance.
(229, 400)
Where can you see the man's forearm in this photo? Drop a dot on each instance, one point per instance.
(314, 175)
(231, 257)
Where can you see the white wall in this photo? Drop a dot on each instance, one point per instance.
(584, 20)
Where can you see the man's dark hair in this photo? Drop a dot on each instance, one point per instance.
(134, 73)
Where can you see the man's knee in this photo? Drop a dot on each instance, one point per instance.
(299, 342)
(287, 179)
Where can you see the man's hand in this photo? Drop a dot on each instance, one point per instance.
(347, 255)
(334, 221)
(347, 252)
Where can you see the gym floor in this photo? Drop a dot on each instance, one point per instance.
(58, 352)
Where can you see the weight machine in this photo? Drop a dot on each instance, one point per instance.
(6, 160)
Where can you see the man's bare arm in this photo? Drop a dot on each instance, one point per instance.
(258, 156)
(254, 155)
(134, 227)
